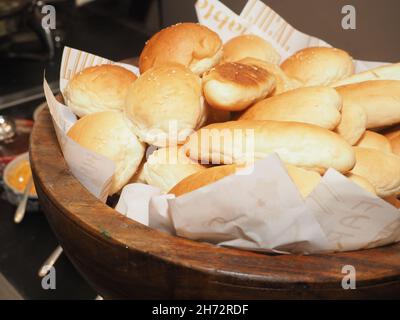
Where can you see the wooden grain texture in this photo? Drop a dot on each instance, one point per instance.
(124, 259)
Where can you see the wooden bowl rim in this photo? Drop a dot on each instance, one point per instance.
(374, 266)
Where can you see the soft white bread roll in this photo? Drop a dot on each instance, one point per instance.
(250, 46)
(373, 140)
(165, 104)
(362, 182)
(283, 82)
(305, 180)
(165, 167)
(395, 144)
(387, 72)
(191, 44)
(354, 118)
(98, 88)
(380, 168)
(109, 134)
(315, 105)
(317, 66)
(234, 86)
(379, 98)
(300, 144)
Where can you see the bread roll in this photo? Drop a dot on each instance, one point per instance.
(109, 134)
(387, 72)
(165, 167)
(362, 182)
(191, 44)
(379, 98)
(300, 144)
(98, 88)
(395, 145)
(283, 82)
(250, 46)
(315, 105)
(234, 86)
(354, 119)
(379, 168)
(165, 104)
(305, 180)
(373, 140)
(319, 66)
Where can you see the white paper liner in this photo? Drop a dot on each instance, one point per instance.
(264, 210)
(93, 171)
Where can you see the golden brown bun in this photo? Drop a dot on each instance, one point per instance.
(315, 105)
(191, 44)
(395, 144)
(379, 98)
(202, 179)
(354, 118)
(250, 46)
(305, 180)
(234, 86)
(109, 134)
(299, 144)
(98, 88)
(165, 167)
(283, 82)
(362, 182)
(379, 168)
(319, 66)
(165, 97)
(373, 140)
(393, 201)
(388, 72)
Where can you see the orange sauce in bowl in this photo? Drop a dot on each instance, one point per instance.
(19, 176)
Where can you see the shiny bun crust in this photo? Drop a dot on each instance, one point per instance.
(165, 104)
(98, 88)
(300, 144)
(191, 44)
(109, 134)
(283, 82)
(235, 86)
(319, 65)
(314, 105)
(250, 46)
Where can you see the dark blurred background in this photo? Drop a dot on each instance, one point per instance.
(118, 29)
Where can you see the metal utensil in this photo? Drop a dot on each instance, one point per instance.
(20, 212)
(50, 261)
(8, 128)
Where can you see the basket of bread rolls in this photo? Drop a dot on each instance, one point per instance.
(212, 160)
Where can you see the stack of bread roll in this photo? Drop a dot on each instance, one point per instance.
(202, 110)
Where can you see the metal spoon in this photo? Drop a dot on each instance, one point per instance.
(20, 212)
(7, 128)
(50, 261)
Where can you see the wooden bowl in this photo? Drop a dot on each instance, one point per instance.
(121, 258)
